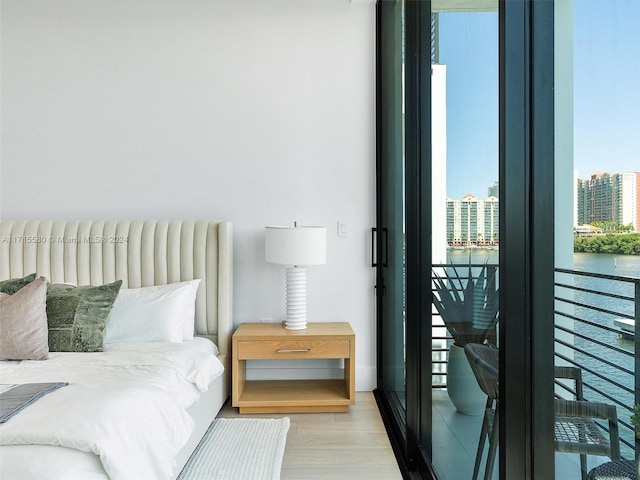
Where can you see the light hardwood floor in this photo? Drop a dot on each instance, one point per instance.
(349, 446)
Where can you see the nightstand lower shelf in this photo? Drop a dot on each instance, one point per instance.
(269, 341)
(293, 396)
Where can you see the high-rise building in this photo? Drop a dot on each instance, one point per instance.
(607, 197)
(494, 190)
(629, 199)
(471, 221)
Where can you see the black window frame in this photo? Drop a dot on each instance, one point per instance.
(526, 219)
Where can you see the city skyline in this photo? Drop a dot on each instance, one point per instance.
(606, 93)
(582, 177)
(604, 199)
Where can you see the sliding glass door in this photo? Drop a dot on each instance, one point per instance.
(465, 226)
(465, 147)
(402, 237)
(389, 236)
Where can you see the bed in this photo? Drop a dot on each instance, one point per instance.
(133, 407)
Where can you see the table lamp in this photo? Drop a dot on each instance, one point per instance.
(296, 247)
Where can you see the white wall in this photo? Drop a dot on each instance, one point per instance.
(439, 163)
(258, 112)
(565, 180)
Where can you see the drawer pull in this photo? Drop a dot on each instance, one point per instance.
(299, 350)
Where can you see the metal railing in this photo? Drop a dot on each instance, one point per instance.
(597, 328)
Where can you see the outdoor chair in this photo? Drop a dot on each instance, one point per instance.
(575, 430)
(483, 359)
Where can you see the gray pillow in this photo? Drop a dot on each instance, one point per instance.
(77, 316)
(12, 285)
(23, 323)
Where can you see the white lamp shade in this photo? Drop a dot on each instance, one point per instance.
(295, 245)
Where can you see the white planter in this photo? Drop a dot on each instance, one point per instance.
(462, 386)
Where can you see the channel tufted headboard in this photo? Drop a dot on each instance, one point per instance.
(140, 253)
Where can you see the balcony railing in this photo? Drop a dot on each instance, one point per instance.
(597, 321)
(597, 328)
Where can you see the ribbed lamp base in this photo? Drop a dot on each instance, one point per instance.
(296, 298)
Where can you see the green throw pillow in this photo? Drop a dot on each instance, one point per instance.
(12, 285)
(77, 316)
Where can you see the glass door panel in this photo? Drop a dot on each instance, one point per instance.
(465, 238)
(438, 198)
(596, 194)
(390, 233)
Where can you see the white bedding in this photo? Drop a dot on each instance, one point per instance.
(127, 404)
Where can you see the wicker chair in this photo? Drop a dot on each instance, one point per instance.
(483, 360)
(575, 428)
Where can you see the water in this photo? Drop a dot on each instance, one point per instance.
(621, 266)
(477, 255)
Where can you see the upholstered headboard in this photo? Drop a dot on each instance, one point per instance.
(140, 253)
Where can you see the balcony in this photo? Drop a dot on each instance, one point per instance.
(597, 330)
(590, 312)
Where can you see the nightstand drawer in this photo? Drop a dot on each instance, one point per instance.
(293, 349)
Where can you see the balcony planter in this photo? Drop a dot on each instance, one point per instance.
(469, 310)
(462, 387)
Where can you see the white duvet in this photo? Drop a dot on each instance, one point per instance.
(127, 404)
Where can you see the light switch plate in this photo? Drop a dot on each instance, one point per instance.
(343, 229)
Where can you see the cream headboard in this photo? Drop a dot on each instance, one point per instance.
(140, 253)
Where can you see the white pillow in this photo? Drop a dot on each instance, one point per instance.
(189, 326)
(162, 313)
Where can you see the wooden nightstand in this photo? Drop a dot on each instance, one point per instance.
(260, 341)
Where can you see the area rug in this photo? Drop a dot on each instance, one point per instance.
(239, 449)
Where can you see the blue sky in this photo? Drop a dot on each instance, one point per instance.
(606, 86)
(606, 93)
